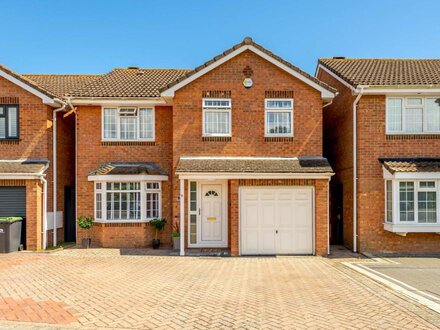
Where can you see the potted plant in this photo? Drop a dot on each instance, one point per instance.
(158, 225)
(86, 223)
(176, 236)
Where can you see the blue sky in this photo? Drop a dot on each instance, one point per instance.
(87, 36)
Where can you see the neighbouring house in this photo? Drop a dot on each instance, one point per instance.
(382, 138)
(231, 151)
(27, 107)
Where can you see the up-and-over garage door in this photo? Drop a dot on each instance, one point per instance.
(276, 220)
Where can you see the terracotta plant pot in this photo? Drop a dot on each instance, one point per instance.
(86, 243)
(156, 243)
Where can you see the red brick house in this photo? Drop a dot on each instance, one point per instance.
(28, 106)
(381, 136)
(231, 151)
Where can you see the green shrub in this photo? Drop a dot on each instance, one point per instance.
(85, 222)
(158, 225)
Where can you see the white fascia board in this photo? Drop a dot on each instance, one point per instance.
(332, 74)
(325, 94)
(417, 175)
(46, 99)
(414, 228)
(386, 174)
(389, 91)
(126, 178)
(139, 102)
(20, 176)
(225, 176)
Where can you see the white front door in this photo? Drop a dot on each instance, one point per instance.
(211, 212)
(276, 220)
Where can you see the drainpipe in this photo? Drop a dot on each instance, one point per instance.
(355, 103)
(44, 212)
(54, 160)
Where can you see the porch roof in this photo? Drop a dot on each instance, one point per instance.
(128, 168)
(253, 165)
(412, 165)
(23, 166)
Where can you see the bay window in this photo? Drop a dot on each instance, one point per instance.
(128, 124)
(413, 115)
(127, 201)
(217, 117)
(278, 117)
(412, 203)
(8, 122)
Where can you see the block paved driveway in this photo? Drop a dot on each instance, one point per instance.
(101, 289)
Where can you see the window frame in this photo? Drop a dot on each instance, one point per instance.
(6, 116)
(226, 109)
(396, 220)
(100, 187)
(278, 110)
(404, 101)
(138, 124)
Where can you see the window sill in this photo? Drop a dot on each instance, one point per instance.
(214, 138)
(10, 141)
(127, 143)
(407, 136)
(403, 229)
(278, 138)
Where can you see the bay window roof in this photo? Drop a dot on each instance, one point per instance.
(129, 168)
(411, 165)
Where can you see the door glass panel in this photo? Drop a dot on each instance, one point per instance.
(193, 229)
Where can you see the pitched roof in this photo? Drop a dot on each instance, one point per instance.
(128, 168)
(61, 84)
(384, 72)
(129, 82)
(27, 81)
(394, 165)
(247, 42)
(22, 166)
(253, 165)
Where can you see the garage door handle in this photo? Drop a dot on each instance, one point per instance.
(276, 231)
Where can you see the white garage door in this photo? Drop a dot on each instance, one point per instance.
(276, 220)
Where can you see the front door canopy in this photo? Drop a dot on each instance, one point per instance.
(253, 167)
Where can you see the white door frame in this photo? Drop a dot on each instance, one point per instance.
(277, 187)
(219, 244)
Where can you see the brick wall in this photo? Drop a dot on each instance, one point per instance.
(92, 153)
(247, 116)
(35, 130)
(372, 144)
(338, 147)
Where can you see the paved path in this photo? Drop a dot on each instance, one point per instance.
(100, 289)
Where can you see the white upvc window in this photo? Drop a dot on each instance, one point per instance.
(413, 115)
(278, 117)
(128, 124)
(133, 201)
(217, 117)
(412, 202)
(8, 121)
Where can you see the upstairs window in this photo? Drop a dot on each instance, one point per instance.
(278, 117)
(128, 124)
(216, 117)
(413, 115)
(8, 122)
